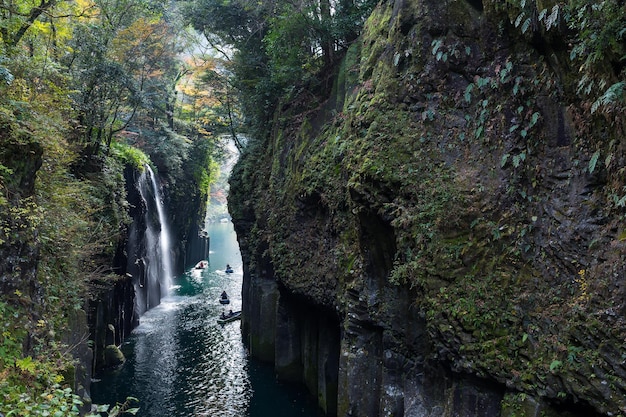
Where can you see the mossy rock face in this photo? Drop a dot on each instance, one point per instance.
(518, 405)
(522, 405)
(452, 168)
(113, 356)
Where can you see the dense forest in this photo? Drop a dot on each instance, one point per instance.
(88, 88)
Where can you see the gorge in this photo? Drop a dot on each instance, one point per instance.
(430, 198)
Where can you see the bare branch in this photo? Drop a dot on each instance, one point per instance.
(217, 47)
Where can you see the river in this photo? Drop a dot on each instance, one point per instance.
(182, 363)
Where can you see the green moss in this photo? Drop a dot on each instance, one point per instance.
(430, 165)
(348, 75)
(130, 155)
(373, 42)
(113, 356)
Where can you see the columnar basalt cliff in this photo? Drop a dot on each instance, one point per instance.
(114, 309)
(441, 235)
(118, 304)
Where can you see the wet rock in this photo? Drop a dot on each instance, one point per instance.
(113, 356)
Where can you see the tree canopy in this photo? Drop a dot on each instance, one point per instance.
(277, 46)
(86, 89)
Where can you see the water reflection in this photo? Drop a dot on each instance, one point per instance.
(182, 363)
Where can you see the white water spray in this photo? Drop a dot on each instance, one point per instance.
(164, 252)
(151, 247)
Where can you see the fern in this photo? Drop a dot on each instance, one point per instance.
(593, 161)
(553, 18)
(613, 94)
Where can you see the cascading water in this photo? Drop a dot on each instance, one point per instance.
(180, 361)
(165, 254)
(153, 254)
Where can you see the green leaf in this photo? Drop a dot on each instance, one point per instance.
(436, 44)
(115, 411)
(505, 158)
(614, 94)
(552, 19)
(26, 364)
(555, 364)
(468, 92)
(593, 161)
(534, 118)
(396, 59)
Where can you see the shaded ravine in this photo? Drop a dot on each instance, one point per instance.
(181, 362)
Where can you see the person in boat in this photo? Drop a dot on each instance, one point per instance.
(230, 313)
(223, 316)
(228, 268)
(224, 295)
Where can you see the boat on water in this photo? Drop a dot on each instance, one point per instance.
(224, 298)
(231, 316)
(229, 269)
(202, 265)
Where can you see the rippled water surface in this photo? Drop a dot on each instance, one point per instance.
(181, 362)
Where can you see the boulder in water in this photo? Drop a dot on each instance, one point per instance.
(113, 356)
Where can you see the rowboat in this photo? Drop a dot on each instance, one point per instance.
(235, 315)
(224, 298)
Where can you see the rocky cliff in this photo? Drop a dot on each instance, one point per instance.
(442, 233)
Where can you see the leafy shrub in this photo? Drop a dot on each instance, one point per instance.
(30, 386)
(129, 155)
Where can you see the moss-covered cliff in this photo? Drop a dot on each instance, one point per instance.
(451, 215)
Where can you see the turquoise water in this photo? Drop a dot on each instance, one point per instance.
(182, 363)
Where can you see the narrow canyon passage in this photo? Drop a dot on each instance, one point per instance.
(181, 362)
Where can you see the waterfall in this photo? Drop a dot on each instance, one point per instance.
(152, 254)
(165, 254)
